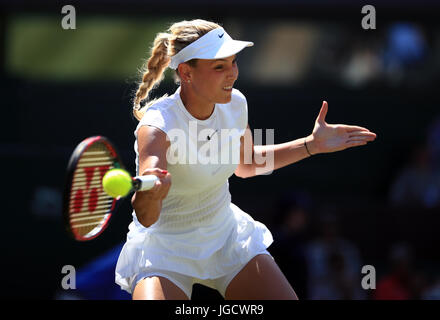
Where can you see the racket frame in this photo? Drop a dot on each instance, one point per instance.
(71, 168)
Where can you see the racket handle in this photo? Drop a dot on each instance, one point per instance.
(143, 183)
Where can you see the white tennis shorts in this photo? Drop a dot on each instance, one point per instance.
(185, 283)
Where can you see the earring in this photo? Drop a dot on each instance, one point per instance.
(188, 81)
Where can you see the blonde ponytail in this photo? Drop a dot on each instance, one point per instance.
(153, 74)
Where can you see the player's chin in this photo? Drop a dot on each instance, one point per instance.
(225, 97)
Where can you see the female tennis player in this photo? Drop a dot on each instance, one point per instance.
(186, 230)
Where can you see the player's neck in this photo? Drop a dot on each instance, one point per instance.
(198, 107)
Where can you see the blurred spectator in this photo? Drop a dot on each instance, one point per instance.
(406, 44)
(334, 264)
(418, 184)
(433, 291)
(405, 49)
(401, 283)
(290, 235)
(363, 66)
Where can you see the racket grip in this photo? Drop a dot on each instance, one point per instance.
(143, 183)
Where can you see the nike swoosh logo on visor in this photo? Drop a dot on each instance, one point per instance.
(220, 36)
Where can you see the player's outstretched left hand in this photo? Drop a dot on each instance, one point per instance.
(336, 137)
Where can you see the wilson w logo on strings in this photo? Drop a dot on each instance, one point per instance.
(87, 188)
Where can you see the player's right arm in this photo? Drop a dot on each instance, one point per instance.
(152, 149)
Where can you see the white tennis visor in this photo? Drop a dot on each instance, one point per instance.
(216, 44)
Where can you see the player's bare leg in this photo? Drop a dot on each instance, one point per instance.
(157, 288)
(260, 279)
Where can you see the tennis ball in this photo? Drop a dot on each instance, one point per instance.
(117, 183)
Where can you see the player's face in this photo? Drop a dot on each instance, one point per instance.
(213, 80)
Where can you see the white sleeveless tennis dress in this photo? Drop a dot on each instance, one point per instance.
(200, 234)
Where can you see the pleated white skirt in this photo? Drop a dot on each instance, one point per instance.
(201, 246)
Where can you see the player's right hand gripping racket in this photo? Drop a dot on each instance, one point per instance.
(86, 207)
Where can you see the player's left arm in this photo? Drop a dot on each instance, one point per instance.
(325, 138)
(261, 159)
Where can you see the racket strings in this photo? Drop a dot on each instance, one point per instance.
(89, 206)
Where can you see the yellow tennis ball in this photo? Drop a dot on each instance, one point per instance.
(117, 183)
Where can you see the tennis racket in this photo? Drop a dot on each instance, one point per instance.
(87, 208)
